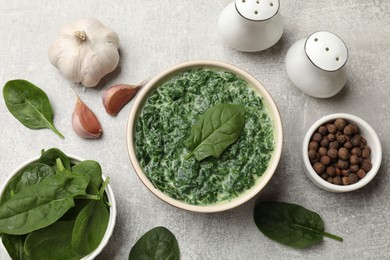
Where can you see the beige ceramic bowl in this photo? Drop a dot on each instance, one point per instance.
(166, 75)
(110, 196)
(372, 140)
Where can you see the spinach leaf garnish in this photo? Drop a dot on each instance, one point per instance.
(290, 224)
(216, 129)
(157, 243)
(29, 104)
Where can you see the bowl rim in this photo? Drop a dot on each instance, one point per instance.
(273, 113)
(110, 196)
(374, 144)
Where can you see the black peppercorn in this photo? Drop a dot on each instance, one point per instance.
(354, 159)
(349, 130)
(337, 180)
(313, 146)
(331, 137)
(323, 130)
(322, 151)
(312, 154)
(356, 151)
(332, 153)
(325, 160)
(342, 164)
(365, 153)
(331, 171)
(361, 173)
(345, 181)
(334, 145)
(353, 168)
(340, 124)
(343, 153)
(345, 173)
(356, 140)
(353, 178)
(319, 167)
(317, 137)
(332, 128)
(366, 165)
(324, 142)
(348, 145)
(341, 139)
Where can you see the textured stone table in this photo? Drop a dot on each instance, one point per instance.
(158, 34)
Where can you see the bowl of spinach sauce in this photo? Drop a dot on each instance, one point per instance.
(204, 136)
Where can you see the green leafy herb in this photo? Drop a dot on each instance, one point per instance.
(158, 243)
(14, 245)
(93, 170)
(50, 157)
(29, 104)
(290, 224)
(216, 129)
(89, 230)
(41, 204)
(29, 175)
(52, 242)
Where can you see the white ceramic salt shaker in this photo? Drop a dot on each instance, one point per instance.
(316, 65)
(251, 25)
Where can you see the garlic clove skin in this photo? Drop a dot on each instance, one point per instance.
(85, 51)
(84, 121)
(116, 97)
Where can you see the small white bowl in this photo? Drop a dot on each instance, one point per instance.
(268, 102)
(366, 131)
(110, 196)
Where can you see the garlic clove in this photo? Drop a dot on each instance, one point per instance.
(84, 121)
(116, 97)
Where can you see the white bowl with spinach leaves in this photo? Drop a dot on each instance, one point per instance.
(204, 136)
(56, 207)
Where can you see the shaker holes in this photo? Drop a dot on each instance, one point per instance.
(243, 1)
(316, 39)
(258, 2)
(337, 59)
(327, 49)
(256, 12)
(271, 4)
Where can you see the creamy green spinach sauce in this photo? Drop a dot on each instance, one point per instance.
(165, 122)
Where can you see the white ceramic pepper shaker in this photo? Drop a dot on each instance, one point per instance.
(251, 25)
(316, 65)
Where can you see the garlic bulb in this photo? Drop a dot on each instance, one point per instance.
(85, 51)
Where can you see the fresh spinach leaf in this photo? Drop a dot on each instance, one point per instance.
(290, 224)
(14, 246)
(158, 243)
(41, 204)
(216, 129)
(31, 174)
(90, 226)
(50, 156)
(29, 104)
(52, 242)
(93, 170)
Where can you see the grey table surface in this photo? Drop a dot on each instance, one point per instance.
(155, 35)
